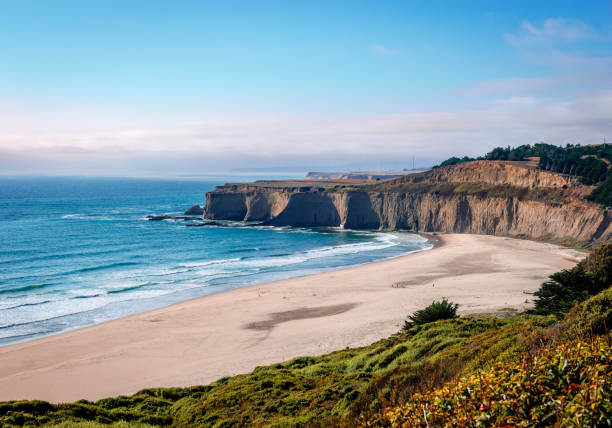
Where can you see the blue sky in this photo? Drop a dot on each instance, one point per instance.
(135, 87)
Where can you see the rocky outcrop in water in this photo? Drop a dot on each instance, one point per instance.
(170, 217)
(501, 200)
(195, 210)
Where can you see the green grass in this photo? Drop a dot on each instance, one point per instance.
(547, 195)
(594, 316)
(563, 379)
(307, 389)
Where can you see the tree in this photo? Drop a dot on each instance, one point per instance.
(436, 311)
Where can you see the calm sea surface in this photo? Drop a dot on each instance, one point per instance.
(79, 251)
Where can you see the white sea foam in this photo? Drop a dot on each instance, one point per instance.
(89, 217)
(140, 284)
(59, 308)
(73, 216)
(381, 241)
(211, 262)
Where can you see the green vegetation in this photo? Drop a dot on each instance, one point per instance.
(528, 369)
(566, 385)
(541, 194)
(587, 162)
(590, 163)
(594, 316)
(342, 384)
(442, 310)
(504, 153)
(454, 161)
(564, 377)
(603, 193)
(567, 288)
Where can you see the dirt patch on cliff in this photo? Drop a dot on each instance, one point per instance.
(276, 318)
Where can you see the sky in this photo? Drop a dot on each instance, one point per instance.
(170, 88)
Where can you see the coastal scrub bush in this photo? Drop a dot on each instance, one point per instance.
(594, 316)
(567, 385)
(441, 310)
(569, 287)
(599, 265)
(454, 161)
(603, 193)
(305, 390)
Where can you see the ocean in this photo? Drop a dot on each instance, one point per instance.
(79, 251)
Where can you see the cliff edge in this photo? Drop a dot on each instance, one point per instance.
(482, 197)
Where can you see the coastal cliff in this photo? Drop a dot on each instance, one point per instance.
(493, 172)
(493, 198)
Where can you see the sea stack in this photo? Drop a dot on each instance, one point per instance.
(195, 210)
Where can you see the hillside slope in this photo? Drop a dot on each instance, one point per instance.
(527, 370)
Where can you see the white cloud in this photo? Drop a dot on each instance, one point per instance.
(552, 31)
(517, 85)
(517, 101)
(217, 144)
(576, 67)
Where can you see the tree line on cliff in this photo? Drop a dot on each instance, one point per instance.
(591, 164)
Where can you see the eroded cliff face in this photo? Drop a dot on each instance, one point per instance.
(365, 206)
(489, 172)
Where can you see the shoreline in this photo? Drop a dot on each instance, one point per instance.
(197, 341)
(430, 237)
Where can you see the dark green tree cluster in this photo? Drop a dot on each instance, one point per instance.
(509, 154)
(603, 193)
(454, 161)
(569, 287)
(506, 153)
(590, 169)
(590, 163)
(442, 310)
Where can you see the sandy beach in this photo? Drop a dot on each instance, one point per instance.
(198, 341)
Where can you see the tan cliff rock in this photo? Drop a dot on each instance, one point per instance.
(379, 205)
(492, 172)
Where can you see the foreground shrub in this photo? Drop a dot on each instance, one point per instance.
(594, 316)
(442, 310)
(570, 385)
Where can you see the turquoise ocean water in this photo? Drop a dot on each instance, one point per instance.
(79, 251)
